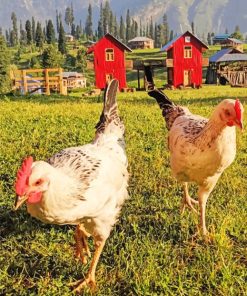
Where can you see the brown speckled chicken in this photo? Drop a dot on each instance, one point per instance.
(201, 149)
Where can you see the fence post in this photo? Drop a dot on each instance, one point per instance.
(47, 84)
(24, 79)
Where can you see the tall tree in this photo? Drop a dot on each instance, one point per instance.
(33, 30)
(62, 40)
(39, 36)
(100, 22)
(50, 33)
(14, 32)
(128, 26)
(151, 29)
(57, 21)
(4, 66)
(122, 30)
(69, 16)
(28, 29)
(193, 28)
(23, 35)
(165, 29)
(106, 17)
(89, 23)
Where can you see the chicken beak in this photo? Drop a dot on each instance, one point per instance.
(19, 201)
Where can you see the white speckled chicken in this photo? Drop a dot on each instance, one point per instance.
(201, 149)
(84, 186)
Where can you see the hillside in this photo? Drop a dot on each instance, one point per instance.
(207, 15)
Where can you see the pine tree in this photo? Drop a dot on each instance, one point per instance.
(171, 35)
(128, 26)
(151, 29)
(57, 21)
(165, 29)
(89, 23)
(122, 30)
(193, 28)
(51, 57)
(73, 30)
(5, 85)
(69, 16)
(62, 40)
(78, 32)
(33, 30)
(14, 32)
(106, 18)
(39, 36)
(209, 39)
(50, 32)
(100, 32)
(28, 32)
(23, 35)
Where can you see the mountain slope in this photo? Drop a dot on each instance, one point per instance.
(207, 15)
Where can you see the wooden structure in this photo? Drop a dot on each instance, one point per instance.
(139, 66)
(141, 43)
(184, 60)
(109, 61)
(39, 81)
(233, 43)
(74, 80)
(228, 65)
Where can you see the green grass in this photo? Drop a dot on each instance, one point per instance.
(150, 250)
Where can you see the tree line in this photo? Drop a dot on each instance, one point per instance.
(125, 29)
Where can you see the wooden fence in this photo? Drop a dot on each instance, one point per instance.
(43, 80)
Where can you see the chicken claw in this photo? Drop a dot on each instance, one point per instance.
(82, 249)
(188, 201)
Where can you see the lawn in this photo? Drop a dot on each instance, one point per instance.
(151, 250)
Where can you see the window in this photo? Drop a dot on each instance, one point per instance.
(109, 54)
(187, 52)
(187, 39)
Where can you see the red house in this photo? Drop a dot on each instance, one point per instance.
(184, 60)
(109, 61)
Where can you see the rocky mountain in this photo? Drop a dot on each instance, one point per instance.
(207, 15)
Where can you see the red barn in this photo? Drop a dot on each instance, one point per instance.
(184, 60)
(109, 61)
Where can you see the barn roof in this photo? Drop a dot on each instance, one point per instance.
(112, 38)
(171, 43)
(228, 55)
(140, 39)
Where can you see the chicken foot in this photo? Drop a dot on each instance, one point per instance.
(187, 200)
(82, 249)
(89, 281)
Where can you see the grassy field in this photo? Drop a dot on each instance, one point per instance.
(150, 250)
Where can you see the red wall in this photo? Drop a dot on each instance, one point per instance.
(102, 67)
(194, 64)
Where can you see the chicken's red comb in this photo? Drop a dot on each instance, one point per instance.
(22, 176)
(238, 110)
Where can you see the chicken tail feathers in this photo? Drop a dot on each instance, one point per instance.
(110, 110)
(161, 98)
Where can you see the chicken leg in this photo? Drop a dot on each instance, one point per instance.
(203, 194)
(89, 281)
(82, 249)
(187, 200)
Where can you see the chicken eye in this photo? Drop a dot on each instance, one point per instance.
(227, 113)
(38, 182)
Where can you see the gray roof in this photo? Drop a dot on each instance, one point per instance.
(140, 39)
(227, 55)
(72, 74)
(235, 40)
